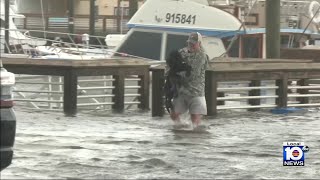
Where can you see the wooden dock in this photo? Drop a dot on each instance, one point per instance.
(72, 69)
(306, 72)
(254, 70)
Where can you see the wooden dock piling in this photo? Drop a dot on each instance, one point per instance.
(157, 91)
(282, 91)
(211, 86)
(254, 92)
(118, 92)
(70, 93)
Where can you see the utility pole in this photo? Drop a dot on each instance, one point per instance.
(71, 16)
(92, 17)
(273, 29)
(6, 25)
(133, 7)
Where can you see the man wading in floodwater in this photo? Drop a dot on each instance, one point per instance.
(191, 90)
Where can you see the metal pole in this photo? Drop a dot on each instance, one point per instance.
(6, 24)
(92, 17)
(273, 29)
(71, 16)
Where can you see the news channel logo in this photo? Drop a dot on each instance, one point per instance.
(294, 153)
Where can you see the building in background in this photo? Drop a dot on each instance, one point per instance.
(111, 16)
(81, 7)
(109, 7)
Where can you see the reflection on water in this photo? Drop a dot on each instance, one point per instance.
(134, 145)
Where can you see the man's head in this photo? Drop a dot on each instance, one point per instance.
(194, 41)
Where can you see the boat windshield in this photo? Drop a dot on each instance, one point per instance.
(142, 44)
(148, 44)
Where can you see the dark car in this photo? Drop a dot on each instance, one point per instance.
(8, 118)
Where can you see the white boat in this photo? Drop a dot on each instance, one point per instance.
(157, 28)
(153, 34)
(161, 26)
(16, 37)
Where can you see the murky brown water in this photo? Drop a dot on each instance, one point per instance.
(135, 145)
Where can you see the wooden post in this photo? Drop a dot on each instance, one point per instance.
(118, 16)
(133, 7)
(70, 93)
(6, 25)
(92, 17)
(144, 90)
(211, 88)
(273, 28)
(303, 82)
(25, 22)
(118, 92)
(104, 25)
(47, 23)
(157, 92)
(254, 92)
(282, 91)
(71, 16)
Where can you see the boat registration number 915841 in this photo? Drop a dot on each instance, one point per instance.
(181, 18)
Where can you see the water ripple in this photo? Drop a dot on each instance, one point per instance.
(240, 145)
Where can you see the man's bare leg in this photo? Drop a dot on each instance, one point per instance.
(175, 117)
(196, 119)
(177, 122)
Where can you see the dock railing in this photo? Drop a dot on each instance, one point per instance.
(43, 92)
(233, 83)
(61, 83)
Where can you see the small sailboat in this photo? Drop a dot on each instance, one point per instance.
(18, 41)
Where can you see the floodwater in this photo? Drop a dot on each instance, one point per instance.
(102, 145)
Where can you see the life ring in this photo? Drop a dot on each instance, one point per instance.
(313, 7)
